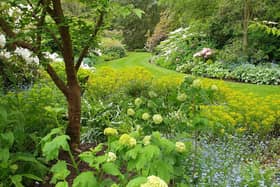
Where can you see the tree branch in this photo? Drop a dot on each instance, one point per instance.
(92, 37)
(58, 82)
(67, 47)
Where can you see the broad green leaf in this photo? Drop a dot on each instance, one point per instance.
(163, 169)
(4, 155)
(111, 169)
(60, 171)
(62, 184)
(133, 153)
(87, 157)
(138, 12)
(56, 131)
(26, 157)
(85, 179)
(16, 180)
(137, 182)
(51, 149)
(148, 154)
(3, 115)
(7, 139)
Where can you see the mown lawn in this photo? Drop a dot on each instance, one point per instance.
(142, 60)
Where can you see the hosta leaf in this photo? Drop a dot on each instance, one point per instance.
(60, 171)
(85, 179)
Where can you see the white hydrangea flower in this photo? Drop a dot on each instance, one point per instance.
(182, 97)
(214, 87)
(197, 83)
(130, 112)
(111, 157)
(138, 101)
(145, 116)
(180, 147)
(132, 142)
(154, 181)
(152, 94)
(147, 140)
(157, 119)
(2, 41)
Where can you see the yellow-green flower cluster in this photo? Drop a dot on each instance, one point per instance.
(107, 80)
(127, 140)
(242, 112)
(154, 181)
(110, 131)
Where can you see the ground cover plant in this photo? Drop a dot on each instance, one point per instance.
(185, 51)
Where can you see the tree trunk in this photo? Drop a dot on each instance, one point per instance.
(246, 17)
(74, 115)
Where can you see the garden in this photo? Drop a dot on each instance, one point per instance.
(139, 93)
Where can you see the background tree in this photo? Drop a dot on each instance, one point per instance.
(136, 30)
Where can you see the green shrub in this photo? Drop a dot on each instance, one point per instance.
(112, 49)
(113, 52)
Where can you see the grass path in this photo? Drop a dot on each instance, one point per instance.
(142, 59)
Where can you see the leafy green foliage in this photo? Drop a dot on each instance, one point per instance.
(85, 179)
(134, 27)
(60, 171)
(137, 182)
(51, 149)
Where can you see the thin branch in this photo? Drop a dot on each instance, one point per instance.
(10, 34)
(40, 24)
(92, 37)
(56, 40)
(58, 82)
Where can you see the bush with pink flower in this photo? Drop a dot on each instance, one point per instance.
(205, 53)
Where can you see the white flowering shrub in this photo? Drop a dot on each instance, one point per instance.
(179, 47)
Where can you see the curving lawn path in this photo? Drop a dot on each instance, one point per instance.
(142, 60)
